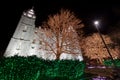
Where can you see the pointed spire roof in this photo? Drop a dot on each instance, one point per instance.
(30, 13)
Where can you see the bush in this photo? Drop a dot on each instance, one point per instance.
(110, 62)
(33, 68)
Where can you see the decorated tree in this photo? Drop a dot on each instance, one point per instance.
(93, 47)
(58, 34)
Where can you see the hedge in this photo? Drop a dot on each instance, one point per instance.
(33, 68)
(116, 62)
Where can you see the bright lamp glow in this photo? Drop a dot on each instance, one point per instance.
(96, 22)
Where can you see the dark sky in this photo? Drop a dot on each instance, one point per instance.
(88, 11)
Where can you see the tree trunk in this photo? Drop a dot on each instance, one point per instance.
(58, 48)
(100, 60)
(57, 56)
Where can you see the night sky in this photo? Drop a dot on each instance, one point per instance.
(108, 13)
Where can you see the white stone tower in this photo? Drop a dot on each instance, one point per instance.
(21, 43)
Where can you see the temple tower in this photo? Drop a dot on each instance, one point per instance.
(21, 43)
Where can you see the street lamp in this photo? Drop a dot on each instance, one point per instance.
(96, 23)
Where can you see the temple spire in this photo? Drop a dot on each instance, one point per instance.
(30, 13)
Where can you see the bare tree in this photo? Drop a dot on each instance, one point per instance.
(94, 48)
(59, 34)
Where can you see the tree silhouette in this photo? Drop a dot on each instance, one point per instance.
(114, 33)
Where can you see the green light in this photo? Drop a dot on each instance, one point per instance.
(33, 68)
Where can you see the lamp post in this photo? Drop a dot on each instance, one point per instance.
(116, 69)
(96, 23)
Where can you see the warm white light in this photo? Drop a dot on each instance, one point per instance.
(96, 22)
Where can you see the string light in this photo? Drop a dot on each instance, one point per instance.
(33, 68)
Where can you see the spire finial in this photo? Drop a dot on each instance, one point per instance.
(30, 13)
